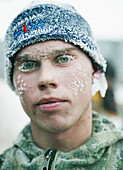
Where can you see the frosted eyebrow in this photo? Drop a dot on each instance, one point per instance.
(61, 51)
(52, 53)
(23, 57)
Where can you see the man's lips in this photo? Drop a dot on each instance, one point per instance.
(50, 101)
(51, 104)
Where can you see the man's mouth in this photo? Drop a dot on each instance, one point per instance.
(51, 104)
(50, 100)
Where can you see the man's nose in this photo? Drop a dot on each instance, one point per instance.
(47, 76)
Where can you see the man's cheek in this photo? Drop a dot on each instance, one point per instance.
(77, 80)
(21, 85)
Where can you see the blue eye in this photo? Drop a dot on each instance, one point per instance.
(64, 58)
(28, 66)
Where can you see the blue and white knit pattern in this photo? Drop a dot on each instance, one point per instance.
(47, 21)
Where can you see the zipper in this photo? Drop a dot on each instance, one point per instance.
(49, 157)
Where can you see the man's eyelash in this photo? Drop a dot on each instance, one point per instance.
(22, 66)
(70, 57)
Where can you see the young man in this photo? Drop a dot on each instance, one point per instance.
(53, 64)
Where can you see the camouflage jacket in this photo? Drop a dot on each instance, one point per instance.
(103, 151)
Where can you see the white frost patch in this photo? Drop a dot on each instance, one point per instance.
(99, 85)
(77, 80)
(21, 86)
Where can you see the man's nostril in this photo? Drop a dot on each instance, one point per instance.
(42, 87)
(53, 85)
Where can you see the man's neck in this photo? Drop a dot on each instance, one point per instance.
(67, 140)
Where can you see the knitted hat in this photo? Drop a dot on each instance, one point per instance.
(42, 21)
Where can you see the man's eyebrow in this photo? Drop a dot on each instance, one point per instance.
(53, 52)
(61, 51)
(21, 58)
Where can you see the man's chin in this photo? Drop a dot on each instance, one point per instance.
(58, 127)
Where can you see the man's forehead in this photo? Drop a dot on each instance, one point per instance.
(47, 48)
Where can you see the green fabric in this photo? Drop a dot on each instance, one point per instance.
(103, 151)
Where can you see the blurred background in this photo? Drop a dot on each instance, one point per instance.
(106, 20)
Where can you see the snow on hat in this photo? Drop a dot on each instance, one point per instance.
(47, 20)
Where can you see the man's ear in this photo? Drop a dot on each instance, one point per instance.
(95, 76)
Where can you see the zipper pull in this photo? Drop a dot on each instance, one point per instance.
(49, 157)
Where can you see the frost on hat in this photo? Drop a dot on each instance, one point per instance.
(42, 21)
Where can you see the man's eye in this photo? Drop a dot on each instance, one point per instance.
(64, 58)
(28, 66)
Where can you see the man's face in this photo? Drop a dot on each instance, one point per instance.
(53, 80)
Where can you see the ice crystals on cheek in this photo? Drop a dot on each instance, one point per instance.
(77, 80)
(21, 85)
